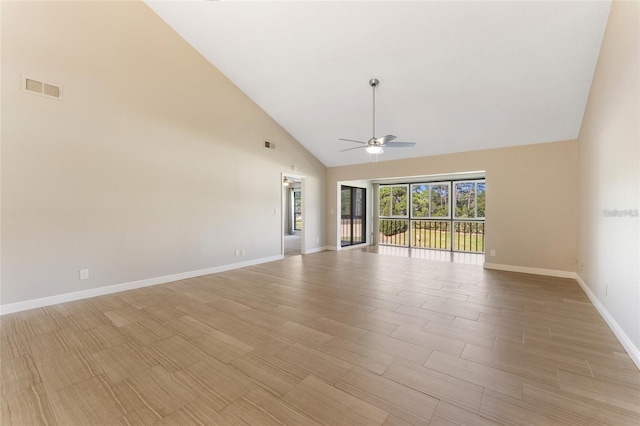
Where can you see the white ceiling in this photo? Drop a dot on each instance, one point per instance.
(454, 76)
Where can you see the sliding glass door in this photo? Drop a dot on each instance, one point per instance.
(353, 216)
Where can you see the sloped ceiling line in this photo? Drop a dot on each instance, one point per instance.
(455, 76)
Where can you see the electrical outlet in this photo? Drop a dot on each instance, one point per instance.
(237, 252)
(242, 252)
(606, 290)
(317, 240)
(84, 274)
(493, 253)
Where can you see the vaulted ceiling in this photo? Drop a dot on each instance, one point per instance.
(454, 76)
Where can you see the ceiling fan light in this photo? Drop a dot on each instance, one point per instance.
(374, 149)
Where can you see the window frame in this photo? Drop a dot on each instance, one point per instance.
(454, 199)
(429, 185)
(392, 216)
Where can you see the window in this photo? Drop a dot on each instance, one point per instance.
(420, 200)
(393, 201)
(469, 199)
(297, 210)
(469, 216)
(445, 215)
(480, 202)
(430, 200)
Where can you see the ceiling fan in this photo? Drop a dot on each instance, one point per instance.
(374, 145)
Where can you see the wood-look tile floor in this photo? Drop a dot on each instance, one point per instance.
(333, 338)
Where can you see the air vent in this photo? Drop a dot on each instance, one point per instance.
(41, 88)
(269, 145)
(33, 86)
(51, 90)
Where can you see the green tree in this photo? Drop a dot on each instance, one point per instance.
(393, 200)
(481, 196)
(465, 200)
(392, 227)
(420, 200)
(439, 200)
(385, 201)
(399, 201)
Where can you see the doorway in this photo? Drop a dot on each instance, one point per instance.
(292, 215)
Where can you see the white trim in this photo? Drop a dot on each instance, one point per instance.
(331, 248)
(100, 291)
(454, 196)
(407, 188)
(303, 231)
(314, 250)
(632, 350)
(429, 184)
(527, 270)
(352, 247)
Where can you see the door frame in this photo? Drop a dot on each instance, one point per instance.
(363, 219)
(371, 212)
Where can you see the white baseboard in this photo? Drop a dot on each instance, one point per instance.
(534, 271)
(628, 345)
(100, 291)
(354, 247)
(314, 250)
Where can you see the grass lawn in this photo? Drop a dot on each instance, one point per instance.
(424, 238)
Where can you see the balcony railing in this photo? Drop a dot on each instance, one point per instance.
(431, 234)
(346, 230)
(394, 232)
(467, 236)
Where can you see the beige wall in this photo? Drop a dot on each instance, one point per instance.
(531, 199)
(153, 164)
(609, 170)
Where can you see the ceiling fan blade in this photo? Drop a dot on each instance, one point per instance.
(349, 149)
(399, 144)
(351, 140)
(384, 139)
